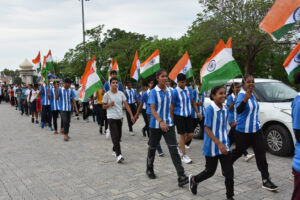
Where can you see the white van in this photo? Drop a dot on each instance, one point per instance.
(275, 100)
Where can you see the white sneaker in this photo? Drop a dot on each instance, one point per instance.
(131, 133)
(186, 159)
(249, 157)
(187, 146)
(120, 159)
(114, 154)
(107, 135)
(179, 151)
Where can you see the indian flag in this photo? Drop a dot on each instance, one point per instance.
(49, 61)
(87, 69)
(292, 63)
(183, 66)
(281, 18)
(37, 62)
(151, 65)
(229, 46)
(115, 67)
(134, 72)
(110, 68)
(91, 81)
(219, 68)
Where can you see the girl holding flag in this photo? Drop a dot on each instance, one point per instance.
(161, 124)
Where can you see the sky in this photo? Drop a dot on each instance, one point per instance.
(29, 26)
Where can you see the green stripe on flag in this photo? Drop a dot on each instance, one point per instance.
(150, 71)
(291, 75)
(282, 31)
(189, 73)
(92, 89)
(219, 77)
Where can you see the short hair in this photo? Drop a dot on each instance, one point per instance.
(297, 77)
(149, 80)
(128, 82)
(113, 72)
(145, 84)
(76, 85)
(36, 85)
(67, 80)
(181, 77)
(113, 79)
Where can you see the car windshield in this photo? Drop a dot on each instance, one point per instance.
(275, 92)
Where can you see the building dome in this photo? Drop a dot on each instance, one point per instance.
(26, 65)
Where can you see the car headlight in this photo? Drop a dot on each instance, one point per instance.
(287, 111)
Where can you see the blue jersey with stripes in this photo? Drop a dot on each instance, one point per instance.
(182, 99)
(162, 101)
(65, 99)
(216, 120)
(130, 95)
(198, 97)
(54, 103)
(296, 126)
(44, 96)
(247, 121)
(144, 100)
(107, 86)
(232, 115)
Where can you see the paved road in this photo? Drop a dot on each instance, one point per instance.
(35, 164)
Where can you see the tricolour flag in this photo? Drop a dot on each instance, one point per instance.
(281, 18)
(91, 81)
(87, 69)
(135, 68)
(219, 68)
(151, 65)
(292, 63)
(183, 66)
(229, 46)
(115, 67)
(49, 61)
(37, 62)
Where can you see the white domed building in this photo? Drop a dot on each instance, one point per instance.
(26, 72)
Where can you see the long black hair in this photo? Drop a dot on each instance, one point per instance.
(215, 90)
(245, 78)
(157, 74)
(233, 85)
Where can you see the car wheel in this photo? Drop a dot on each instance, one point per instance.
(278, 140)
(198, 134)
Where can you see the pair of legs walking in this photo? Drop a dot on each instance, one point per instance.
(133, 110)
(55, 114)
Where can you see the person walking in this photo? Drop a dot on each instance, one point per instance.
(33, 99)
(113, 101)
(131, 98)
(55, 106)
(46, 107)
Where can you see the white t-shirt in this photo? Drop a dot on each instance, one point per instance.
(27, 93)
(77, 92)
(116, 111)
(34, 95)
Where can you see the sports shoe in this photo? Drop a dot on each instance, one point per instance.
(131, 133)
(77, 118)
(32, 120)
(114, 154)
(107, 135)
(120, 159)
(230, 198)
(150, 173)
(182, 180)
(187, 146)
(160, 152)
(186, 159)
(42, 124)
(248, 157)
(192, 184)
(268, 185)
(50, 128)
(179, 151)
(36, 121)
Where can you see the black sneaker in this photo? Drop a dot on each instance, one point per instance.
(230, 198)
(36, 121)
(32, 120)
(182, 180)
(150, 173)
(268, 185)
(100, 130)
(192, 185)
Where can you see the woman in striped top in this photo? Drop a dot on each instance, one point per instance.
(55, 106)
(248, 131)
(161, 124)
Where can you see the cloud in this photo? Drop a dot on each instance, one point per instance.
(28, 26)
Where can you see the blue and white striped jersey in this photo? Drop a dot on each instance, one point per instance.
(131, 95)
(197, 98)
(54, 103)
(216, 120)
(144, 99)
(44, 96)
(247, 121)
(183, 101)
(65, 99)
(232, 115)
(162, 101)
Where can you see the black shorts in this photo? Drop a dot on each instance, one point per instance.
(183, 124)
(33, 106)
(195, 122)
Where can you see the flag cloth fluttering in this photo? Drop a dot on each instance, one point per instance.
(37, 62)
(91, 81)
(135, 68)
(219, 68)
(229, 46)
(47, 66)
(183, 66)
(292, 63)
(281, 18)
(151, 65)
(109, 68)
